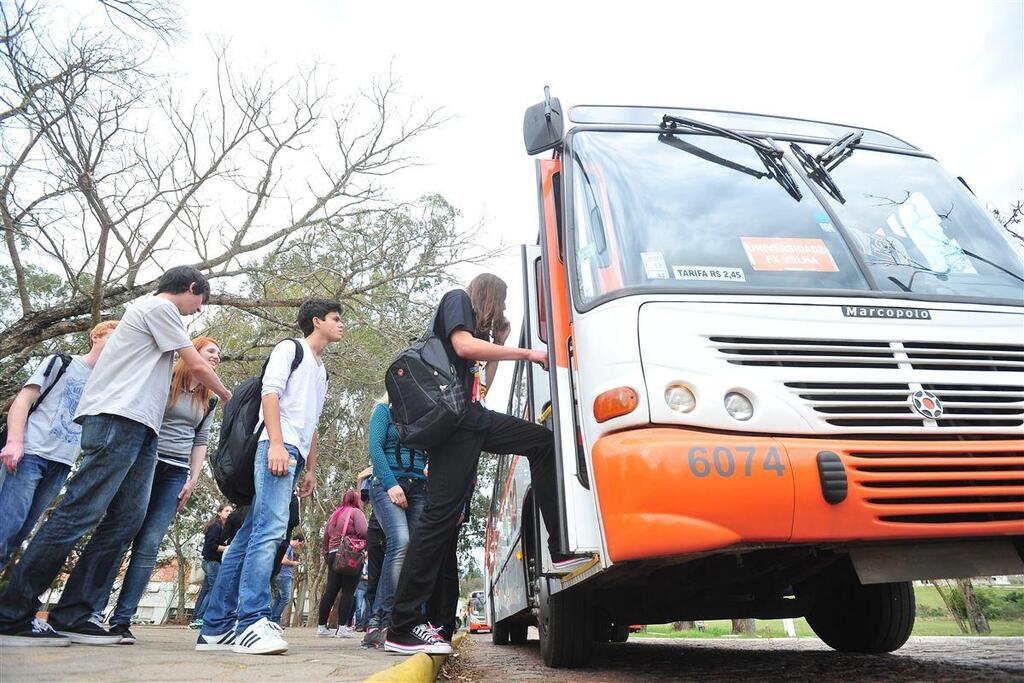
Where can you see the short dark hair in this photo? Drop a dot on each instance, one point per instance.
(180, 279)
(315, 308)
(299, 536)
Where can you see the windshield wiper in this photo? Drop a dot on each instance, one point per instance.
(839, 150)
(767, 152)
(672, 141)
(817, 172)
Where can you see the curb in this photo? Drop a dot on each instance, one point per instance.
(419, 668)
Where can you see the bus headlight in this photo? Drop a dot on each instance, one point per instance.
(739, 406)
(680, 398)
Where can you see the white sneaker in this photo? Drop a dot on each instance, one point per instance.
(216, 643)
(322, 630)
(260, 638)
(343, 632)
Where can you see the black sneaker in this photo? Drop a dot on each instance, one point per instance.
(89, 633)
(36, 633)
(420, 638)
(127, 637)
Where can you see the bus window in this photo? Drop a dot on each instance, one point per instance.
(542, 311)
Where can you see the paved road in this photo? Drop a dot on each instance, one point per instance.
(166, 654)
(803, 659)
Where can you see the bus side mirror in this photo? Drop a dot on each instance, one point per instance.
(542, 125)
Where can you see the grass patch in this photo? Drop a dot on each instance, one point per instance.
(927, 597)
(772, 628)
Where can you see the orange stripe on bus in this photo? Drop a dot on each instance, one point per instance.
(556, 268)
(669, 491)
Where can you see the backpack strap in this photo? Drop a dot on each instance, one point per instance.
(296, 361)
(299, 352)
(209, 409)
(344, 527)
(398, 456)
(65, 361)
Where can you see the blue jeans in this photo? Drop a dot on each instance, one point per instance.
(242, 591)
(397, 524)
(163, 503)
(24, 496)
(283, 582)
(111, 488)
(362, 612)
(210, 570)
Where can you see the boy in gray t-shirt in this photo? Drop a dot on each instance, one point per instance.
(43, 439)
(120, 413)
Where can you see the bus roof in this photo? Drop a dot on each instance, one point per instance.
(757, 124)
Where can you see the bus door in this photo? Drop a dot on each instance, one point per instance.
(551, 312)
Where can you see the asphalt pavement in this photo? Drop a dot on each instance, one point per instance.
(732, 659)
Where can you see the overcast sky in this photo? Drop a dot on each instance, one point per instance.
(946, 76)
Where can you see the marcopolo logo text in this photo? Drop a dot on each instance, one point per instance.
(887, 312)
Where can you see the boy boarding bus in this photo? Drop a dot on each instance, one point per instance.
(786, 378)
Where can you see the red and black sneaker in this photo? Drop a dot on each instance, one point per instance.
(420, 638)
(567, 564)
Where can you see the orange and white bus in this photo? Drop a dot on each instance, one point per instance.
(786, 379)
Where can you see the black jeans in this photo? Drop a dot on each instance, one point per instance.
(444, 601)
(375, 548)
(345, 583)
(452, 470)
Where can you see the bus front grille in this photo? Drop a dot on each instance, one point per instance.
(947, 484)
(879, 405)
(884, 355)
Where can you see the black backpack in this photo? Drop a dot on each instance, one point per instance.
(426, 394)
(65, 361)
(233, 463)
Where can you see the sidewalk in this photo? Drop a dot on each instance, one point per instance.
(165, 654)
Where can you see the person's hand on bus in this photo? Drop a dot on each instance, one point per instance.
(501, 334)
(539, 357)
(397, 496)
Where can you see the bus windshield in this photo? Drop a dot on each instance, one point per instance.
(692, 212)
(920, 230)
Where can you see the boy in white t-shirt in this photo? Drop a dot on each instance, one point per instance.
(237, 615)
(43, 440)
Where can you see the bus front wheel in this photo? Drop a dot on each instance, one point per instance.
(565, 626)
(852, 617)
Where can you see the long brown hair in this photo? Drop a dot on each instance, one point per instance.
(487, 295)
(216, 516)
(181, 380)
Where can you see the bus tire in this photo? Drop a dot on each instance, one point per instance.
(565, 627)
(852, 617)
(620, 633)
(499, 633)
(517, 633)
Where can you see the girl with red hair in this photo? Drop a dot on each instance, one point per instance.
(181, 451)
(343, 544)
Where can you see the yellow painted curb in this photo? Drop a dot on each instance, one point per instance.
(419, 668)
